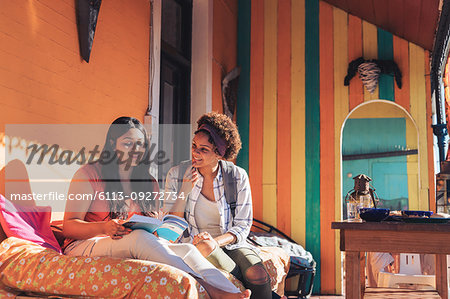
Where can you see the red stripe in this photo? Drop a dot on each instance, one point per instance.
(401, 57)
(431, 182)
(284, 117)
(256, 106)
(327, 188)
(355, 50)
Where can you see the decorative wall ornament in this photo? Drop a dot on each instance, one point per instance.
(87, 15)
(370, 70)
(229, 91)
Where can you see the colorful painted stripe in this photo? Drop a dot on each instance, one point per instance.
(284, 117)
(256, 106)
(385, 52)
(370, 52)
(312, 134)
(326, 146)
(341, 108)
(270, 113)
(243, 60)
(431, 177)
(355, 50)
(418, 112)
(401, 57)
(298, 175)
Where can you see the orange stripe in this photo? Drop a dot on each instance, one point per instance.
(355, 48)
(327, 202)
(256, 106)
(431, 182)
(401, 57)
(284, 117)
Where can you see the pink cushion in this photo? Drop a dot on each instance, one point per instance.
(28, 223)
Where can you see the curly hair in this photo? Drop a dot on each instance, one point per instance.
(226, 129)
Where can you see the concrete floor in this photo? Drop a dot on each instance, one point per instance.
(326, 297)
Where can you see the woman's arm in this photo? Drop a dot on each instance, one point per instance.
(221, 241)
(74, 226)
(225, 239)
(243, 218)
(189, 179)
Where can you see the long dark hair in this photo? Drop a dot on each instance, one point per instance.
(141, 180)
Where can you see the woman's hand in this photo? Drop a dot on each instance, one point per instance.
(204, 236)
(157, 214)
(189, 179)
(115, 229)
(205, 243)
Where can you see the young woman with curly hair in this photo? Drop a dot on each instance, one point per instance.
(218, 234)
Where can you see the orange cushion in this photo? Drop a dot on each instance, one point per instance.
(29, 267)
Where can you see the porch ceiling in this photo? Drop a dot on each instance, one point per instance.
(413, 20)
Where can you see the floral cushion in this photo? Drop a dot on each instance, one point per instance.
(30, 268)
(25, 266)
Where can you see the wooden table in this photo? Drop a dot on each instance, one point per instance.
(394, 237)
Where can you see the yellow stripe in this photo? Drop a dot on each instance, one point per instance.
(298, 176)
(270, 113)
(370, 51)
(412, 166)
(378, 110)
(341, 107)
(418, 108)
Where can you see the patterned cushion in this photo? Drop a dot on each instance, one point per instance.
(26, 266)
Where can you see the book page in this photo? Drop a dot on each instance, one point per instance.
(149, 224)
(172, 228)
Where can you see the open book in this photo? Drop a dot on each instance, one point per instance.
(171, 227)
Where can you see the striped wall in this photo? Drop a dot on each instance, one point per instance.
(292, 111)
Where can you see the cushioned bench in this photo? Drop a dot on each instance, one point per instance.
(26, 267)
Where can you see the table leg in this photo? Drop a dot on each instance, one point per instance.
(362, 273)
(352, 274)
(441, 275)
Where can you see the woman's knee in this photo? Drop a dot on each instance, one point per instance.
(139, 235)
(257, 275)
(140, 241)
(206, 247)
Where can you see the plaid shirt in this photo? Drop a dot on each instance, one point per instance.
(243, 219)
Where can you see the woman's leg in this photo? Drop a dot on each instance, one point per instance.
(216, 256)
(254, 273)
(194, 259)
(140, 244)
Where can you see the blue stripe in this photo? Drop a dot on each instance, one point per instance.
(385, 52)
(312, 135)
(243, 95)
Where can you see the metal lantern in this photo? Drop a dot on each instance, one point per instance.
(443, 193)
(362, 193)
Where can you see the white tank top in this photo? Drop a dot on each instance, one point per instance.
(207, 216)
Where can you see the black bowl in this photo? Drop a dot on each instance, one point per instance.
(373, 215)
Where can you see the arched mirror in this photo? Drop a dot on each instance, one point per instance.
(379, 139)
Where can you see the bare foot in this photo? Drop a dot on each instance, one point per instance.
(225, 295)
(214, 292)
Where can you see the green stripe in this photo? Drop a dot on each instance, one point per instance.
(312, 134)
(386, 52)
(243, 95)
